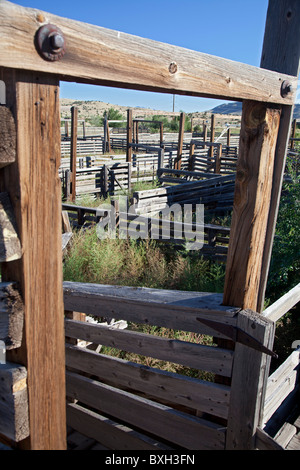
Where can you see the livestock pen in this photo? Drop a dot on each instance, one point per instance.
(49, 381)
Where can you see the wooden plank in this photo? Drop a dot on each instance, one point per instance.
(108, 432)
(252, 198)
(280, 384)
(180, 352)
(10, 246)
(281, 53)
(294, 444)
(283, 304)
(162, 421)
(14, 423)
(166, 386)
(132, 62)
(248, 382)
(7, 137)
(265, 442)
(285, 434)
(179, 310)
(11, 315)
(35, 192)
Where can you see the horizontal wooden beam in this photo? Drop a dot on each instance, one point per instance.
(105, 57)
(166, 308)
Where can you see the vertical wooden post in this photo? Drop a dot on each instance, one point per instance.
(105, 134)
(293, 133)
(248, 385)
(74, 128)
(252, 198)
(228, 137)
(66, 129)
(161, 129)
(180, 141)
(191, 158)
(83, 130)
(281, 53)
(35, 192)
(129, 135)
(212, 136)
(108, 138)
(218, 159)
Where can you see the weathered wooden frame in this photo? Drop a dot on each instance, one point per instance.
(91, 57)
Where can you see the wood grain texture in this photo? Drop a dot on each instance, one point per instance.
(105, 57)
(167, 386)
(252, 197)
(281, 53)
(167, 308)
(248, 386)
(189, 354)
(35, 192)
(184, 430)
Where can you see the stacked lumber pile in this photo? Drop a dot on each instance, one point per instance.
(216, 193)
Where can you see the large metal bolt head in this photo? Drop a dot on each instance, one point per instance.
(57, 41)
(50, 42)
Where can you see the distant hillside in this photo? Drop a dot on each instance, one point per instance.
(236, 108)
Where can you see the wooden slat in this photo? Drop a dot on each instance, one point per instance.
(178, 310)
(11, 315)
(251, 204)
(167, 386)
(108, 432)
(280, 384)
(141, 63)
(162, 421)
(283, 305)
(35, 192)
(265, 442)
(192, 355)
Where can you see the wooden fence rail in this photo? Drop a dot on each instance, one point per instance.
(268, 92)
(151, 399)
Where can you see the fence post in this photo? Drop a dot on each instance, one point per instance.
(74, 124)
(281, 53)
(248, 384)
(35, 191)
(180, 142)
(129, 135)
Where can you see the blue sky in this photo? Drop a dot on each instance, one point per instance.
(232, 29)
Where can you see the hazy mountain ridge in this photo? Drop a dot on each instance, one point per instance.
(236, 108)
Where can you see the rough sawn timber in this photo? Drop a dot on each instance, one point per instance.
(105, 57)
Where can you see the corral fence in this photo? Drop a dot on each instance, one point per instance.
(138, 404)
(213, 238)
(124, 403)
